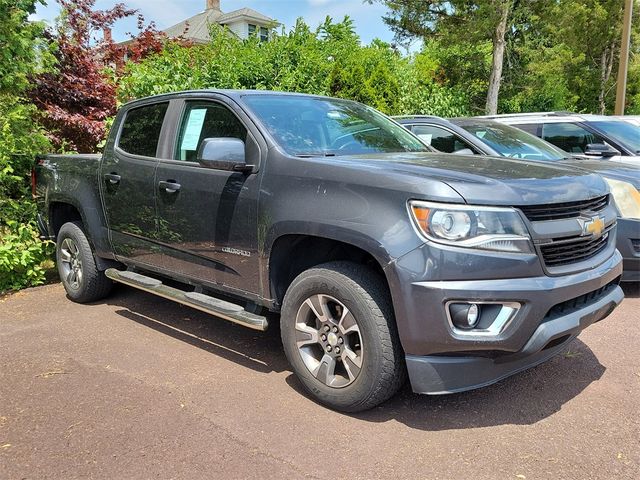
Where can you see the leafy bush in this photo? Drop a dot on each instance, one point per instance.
(21, 251)
(20, 141)
(23, 257)
(328, 61)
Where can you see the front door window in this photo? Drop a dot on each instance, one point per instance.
(202, 121)
(570, 137)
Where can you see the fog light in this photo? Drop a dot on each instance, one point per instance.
(464, 316)
(473, 314)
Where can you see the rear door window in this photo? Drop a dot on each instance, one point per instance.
(141, 128)
(440, 138)
(570, 137)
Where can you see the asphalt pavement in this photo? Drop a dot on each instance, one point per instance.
(138, 387)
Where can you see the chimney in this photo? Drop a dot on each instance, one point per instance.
(108, 38)
(213, 4)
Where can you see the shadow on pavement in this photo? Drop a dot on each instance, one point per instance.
(523, 399)
(260, 351)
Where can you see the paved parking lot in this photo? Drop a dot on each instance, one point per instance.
(138, 387)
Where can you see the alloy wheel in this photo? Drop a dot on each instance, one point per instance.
(71, 264)
(329, 341)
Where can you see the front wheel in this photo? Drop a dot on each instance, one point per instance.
(77, 268)
(339, 336)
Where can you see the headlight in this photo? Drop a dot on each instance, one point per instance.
(483, 228)
(627, 198)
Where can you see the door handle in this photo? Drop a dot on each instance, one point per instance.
(169, 186)
(113, 178)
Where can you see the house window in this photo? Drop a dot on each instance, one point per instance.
(264, 34)
(252, 30)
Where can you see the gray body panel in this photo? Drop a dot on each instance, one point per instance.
(73, 180)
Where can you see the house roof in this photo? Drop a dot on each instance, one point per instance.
(196, 28)
(244, 12)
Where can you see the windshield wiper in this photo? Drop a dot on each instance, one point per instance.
(316, 154)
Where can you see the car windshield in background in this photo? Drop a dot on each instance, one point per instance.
(624, 132)
(310, 126)
(513, 142)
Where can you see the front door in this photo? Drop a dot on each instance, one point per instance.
(207, 219)
(128, 188)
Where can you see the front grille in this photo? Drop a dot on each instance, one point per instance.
(564, 251)
(559, 211)
(582, 301)
(635, 243)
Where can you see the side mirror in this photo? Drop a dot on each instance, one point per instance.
(464, 151)
(603, 150)
(223, 154)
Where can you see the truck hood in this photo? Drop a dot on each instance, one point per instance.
(487, 180)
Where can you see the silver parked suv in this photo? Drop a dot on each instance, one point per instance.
(592, 135)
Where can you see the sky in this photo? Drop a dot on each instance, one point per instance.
(367, 18)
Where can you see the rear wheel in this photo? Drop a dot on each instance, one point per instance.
(339, 335)
(77, 268)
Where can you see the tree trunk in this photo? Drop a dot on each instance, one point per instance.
(495, 79)
(606, 65)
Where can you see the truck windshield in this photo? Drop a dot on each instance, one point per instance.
(513, 142)
(622, 131)
(311, 126)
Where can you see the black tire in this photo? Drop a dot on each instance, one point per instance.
(91, 284)
(363, 293)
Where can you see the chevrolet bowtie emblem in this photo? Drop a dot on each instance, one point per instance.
(595, 226)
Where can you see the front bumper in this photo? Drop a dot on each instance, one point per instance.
(441, 374)
(553, 311)
(628, 243)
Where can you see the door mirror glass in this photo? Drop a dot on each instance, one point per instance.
(601, 150)
(223, 154)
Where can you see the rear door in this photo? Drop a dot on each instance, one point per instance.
(207, 218)
(127, 182)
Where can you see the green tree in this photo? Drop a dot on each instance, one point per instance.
(22, 48)
(591, 30)
(556, 54)
(457, 22)
(23, 53)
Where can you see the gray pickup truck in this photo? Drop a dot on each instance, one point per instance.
(381, 257)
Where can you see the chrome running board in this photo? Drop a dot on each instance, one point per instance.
(214, 306)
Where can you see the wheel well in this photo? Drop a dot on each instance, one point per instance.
(293, 254)
(61, 213)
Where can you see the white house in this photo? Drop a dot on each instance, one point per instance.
(243, 23)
